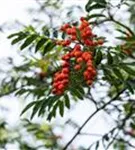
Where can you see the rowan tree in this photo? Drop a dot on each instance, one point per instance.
(72, 62)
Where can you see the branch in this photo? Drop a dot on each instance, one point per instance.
(113, 139)
(91, 116)
(103, 136)
(111, 18)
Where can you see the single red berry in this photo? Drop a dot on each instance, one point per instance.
(77, 53)
(100, 41)
(82, 18)
(65, 70)
(73, 38)
(67, 25)
(79, 60)
(86, 75)
(89, 82)
(90, 69)
(61, 87)
(77, 47)
(77, 67)
(65, 64)
(94, 72)
(59, 92)
(69, 31)
(65, 81)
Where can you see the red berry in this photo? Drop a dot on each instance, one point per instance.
(69, 31)
(67, 25)
(79, 60)
(65, 64)
(94, 72)
(60, 87)
(65, 81)
(65, 70)
(89, 82)
(73, 38)
(66, 57)
(77, 53)
(100, 41)
(90, 69)
(77, 47)
(86, 75)
(82, 18)
(77, 67)
(59, 92)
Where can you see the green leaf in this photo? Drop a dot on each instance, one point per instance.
(47, 103)
(15, 34)
(21, 37)
(46, 31)
(48, 46)
(52, 113)
(76, 93)
(54, 109)
(101, 2)
(129, 70)
(118, 73)
(95, 16)
(55, 33)
(67, 101)
(21, 91)
(61, 108)
(78, 34)
(109, 58)
(88, 5)
(95, 6)
(28, 106)
(127, 39)
(127, 107)
(40, 43)
(80, 89)
(36, 108)
(63, 35)
(123, 32)
(130, 87)
(132, 125)
(50, 116)
(43, 107)
(28, 41)
(51, 100)
(98, 57)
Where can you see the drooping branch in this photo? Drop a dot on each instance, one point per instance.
(91, 116)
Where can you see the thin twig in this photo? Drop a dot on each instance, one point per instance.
(91, 116)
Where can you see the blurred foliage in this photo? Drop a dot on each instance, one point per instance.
(42, 134)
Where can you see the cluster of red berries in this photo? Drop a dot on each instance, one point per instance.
(76, 59)
(61, 79)
(86, 34)
(82, 60)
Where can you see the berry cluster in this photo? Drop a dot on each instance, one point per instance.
(82, 60)
(76, 59)
(61, 80)
(86, 35)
